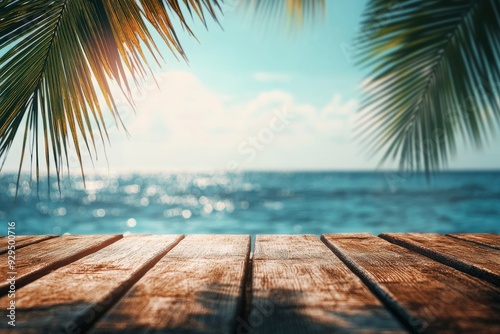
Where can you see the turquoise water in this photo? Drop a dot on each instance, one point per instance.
(256, 202)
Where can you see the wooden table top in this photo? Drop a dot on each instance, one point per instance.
(339, 283)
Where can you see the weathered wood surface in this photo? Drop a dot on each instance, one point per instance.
(22, 241)
(71, 298)
(485, 239)
(291, 284)
(38, 259)
(196, 288)
(427, 295)
(477, 260)
(299, 287)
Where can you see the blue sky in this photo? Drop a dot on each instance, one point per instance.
(255, 96)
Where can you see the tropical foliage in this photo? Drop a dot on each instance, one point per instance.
(59, 60)
(434, 77)
(433, 64)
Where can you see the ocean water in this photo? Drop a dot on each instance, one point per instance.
(255, 203)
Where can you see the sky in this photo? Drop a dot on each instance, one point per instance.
(254, 96)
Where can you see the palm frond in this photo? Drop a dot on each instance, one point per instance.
(295, 11)
(59, 58)
(434, 78)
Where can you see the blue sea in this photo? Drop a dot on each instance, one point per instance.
(254, 203)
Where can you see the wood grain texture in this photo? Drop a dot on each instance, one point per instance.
(38, 259)
(427, 295)
(477, 260)
(23, 240)
(299, 286)
(71, 298)
(485, 239)
(196, 288)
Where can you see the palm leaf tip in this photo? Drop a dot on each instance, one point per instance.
(294, 12)
(434, 67)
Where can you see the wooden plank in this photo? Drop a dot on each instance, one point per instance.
(477, 260)
(36, 260)
(485, 239)
(71, 298)
(23, 240)
(299, 286)
(196, 288)
(426, 295)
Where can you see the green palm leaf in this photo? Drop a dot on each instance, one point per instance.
(434, 78)
(61, 56)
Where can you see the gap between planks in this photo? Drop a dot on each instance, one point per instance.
(425, 294)
(197, 287)
(72, 298)
(300, 286)
(23, 241)
(485, 239)
(472, 258)
(36, 260)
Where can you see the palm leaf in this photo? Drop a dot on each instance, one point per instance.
(294, 11)
(434, 78)
(61, 56)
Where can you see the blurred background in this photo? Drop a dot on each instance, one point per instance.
(256, 133)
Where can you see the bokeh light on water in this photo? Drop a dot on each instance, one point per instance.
(254, 203)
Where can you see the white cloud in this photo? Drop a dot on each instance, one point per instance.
(271, 77)
(337, 107)
(186, 124)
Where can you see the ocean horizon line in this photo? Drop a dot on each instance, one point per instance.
(99, 172)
